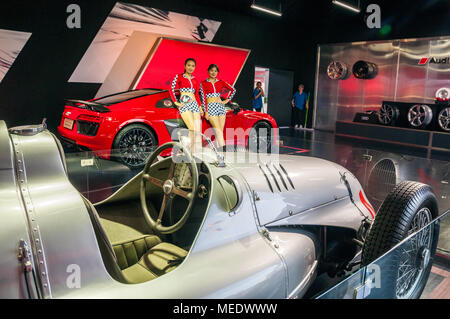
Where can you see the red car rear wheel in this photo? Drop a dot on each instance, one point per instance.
(134, 144)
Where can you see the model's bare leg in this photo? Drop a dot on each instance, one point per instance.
(222, 119)
(197, 121)
(215, 123)
(188, 118)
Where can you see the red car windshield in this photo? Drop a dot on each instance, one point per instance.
(124, 96)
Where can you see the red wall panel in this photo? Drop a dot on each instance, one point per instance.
(169, 57)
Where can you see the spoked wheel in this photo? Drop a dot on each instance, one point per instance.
(444, 119)
(337, 70)
(407, 211)
(420, 116)
(388, 114)
(415, 256)
(260, 138)
(134, 144)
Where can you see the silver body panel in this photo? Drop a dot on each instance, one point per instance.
(13, 226)
(231, 257)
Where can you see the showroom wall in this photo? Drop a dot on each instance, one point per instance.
(402, 76)
(38, 81)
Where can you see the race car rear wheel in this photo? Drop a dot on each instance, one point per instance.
(408, 209)
(134, 144)
(260, 137)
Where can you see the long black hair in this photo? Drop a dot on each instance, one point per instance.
(211, 66)
(190, 59)
(186, 62)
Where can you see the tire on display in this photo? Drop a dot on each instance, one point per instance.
(444, 119)
(260, 137)
(133, 145)
(388, 114)
(407, 209)
(420, 115)
(365, 70)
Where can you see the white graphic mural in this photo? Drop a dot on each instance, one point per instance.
(11, 43)
(123, 20)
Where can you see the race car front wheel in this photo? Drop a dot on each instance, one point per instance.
(408, 209)
(134, 144)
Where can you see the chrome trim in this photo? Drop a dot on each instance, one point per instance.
(27, 130)
(304, 282)
(238, 191)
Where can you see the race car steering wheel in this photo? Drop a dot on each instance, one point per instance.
(168, 186)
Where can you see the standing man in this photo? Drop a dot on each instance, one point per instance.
(299, 103)
(258, 94)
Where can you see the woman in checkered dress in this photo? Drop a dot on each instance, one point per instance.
(210, 92)
(189, 103)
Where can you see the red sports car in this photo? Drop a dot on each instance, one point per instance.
(134, 122)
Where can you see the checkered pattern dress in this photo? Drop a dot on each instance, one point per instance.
(209, 89)
(185, 85)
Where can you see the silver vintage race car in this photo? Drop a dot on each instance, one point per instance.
(198, 227)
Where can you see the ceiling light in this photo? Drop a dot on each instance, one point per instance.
(347, 6)
(277, 13)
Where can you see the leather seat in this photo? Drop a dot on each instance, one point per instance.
(146, 258)
(137, 260)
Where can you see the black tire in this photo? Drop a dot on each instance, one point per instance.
(260, 136)
(365, 70)
(133, 145)
(407, 204)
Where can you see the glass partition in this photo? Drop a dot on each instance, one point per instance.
(411, 269)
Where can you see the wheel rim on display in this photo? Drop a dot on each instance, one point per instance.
(135, 147)
(386, 114)
(415, 255)
(444, 119)
(443, 93)
(337, 70)
(419, 115)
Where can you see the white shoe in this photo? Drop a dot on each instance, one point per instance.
(301, 126)
(296, 126)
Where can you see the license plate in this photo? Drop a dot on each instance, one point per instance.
(68, 124)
